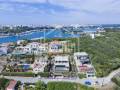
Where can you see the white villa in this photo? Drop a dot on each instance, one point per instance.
(3, 50)
(39, 64)
(57, 46)
(34, 47)
(61, 63)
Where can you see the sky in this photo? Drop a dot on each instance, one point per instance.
(37, 12)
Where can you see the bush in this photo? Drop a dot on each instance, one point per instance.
(3, 83)
(25, 74)
(82, 76)
(116, 80)
(44, 74)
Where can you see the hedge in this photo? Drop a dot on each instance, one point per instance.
(44, 74)
(26, 74)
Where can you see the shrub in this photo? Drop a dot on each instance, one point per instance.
(44, 74)
(25, 74)
(82, 76)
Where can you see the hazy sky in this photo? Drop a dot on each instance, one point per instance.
(59, 11)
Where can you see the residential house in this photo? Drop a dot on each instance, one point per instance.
(61, 63)
(57, 47)
(81, 58)
(83, 64)
(3, 50)
(31, 48)
(39, 64)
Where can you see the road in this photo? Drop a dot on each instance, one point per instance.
(101, 81)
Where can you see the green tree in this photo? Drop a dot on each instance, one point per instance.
(40, 86)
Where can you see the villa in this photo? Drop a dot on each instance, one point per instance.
(31, 48)
(37, 48)
(39, 64)
(61, 63)
(57, 46)
(21, 50)
(3, 50)
(81, 58)
(83, 64)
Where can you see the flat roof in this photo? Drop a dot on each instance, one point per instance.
(81, 53)
(61, 58)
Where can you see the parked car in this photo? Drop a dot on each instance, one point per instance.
(87, 82)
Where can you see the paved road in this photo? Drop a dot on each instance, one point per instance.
(102, 81)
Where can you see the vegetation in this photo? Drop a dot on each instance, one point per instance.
(82, 76)
(3, 83)
(66, 86)
(40, 86)
(44, 74)
(104, 51)
(56, 86)
(116, 80)
(26, 74)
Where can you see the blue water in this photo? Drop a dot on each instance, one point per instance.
(39, 34)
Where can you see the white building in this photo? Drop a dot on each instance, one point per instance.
(20, 41)
(57, 46)
(22, 50)
(32, 48)
(38, 48)
(3, 50)
(61, 63)
(39, 64)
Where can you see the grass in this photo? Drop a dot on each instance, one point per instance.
(66, 86)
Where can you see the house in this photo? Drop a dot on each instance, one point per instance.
(61, 63)
(81, 58)
(83, 64)
(57, 46)
(3, 50)
(11, 85)
(21, 50)
(38, 48)
(20, 42)
(32, 48)
(39, 64)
